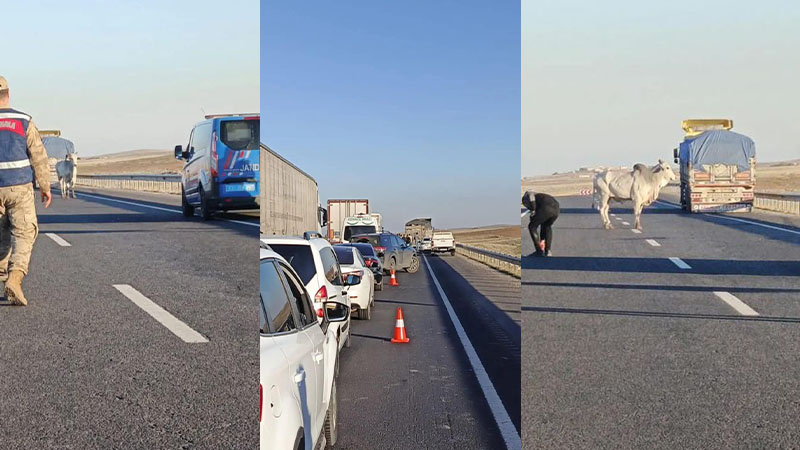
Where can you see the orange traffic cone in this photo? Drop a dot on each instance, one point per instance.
(393, 281)
(400, 329)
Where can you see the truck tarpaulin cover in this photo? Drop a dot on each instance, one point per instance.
(718, 147)
(57, 147)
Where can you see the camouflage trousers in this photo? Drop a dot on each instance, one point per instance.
(18, 227)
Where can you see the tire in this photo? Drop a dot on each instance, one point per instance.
(330, 418)
(349, 340)
(414, 267)
(392, 265)
(452, 253)
(186, 208)
(379, 286)
(205, 210)
(364, 314)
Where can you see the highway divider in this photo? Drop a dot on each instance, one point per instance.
(500, 261)
(169, 183)
(785, 203)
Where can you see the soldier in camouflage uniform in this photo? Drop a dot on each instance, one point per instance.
(22, 156)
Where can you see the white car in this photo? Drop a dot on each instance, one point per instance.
(443, 242)
(298, 359)
(314, 260)
(362, 296)
(426, 244)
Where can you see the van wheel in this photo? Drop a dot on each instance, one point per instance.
(452, 253)
(330, 418)
(186, 208)
(379, 286)
(205, 210)
(414, 267)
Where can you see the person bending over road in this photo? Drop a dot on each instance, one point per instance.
(544, 212)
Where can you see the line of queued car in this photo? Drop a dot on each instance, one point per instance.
(309, 290)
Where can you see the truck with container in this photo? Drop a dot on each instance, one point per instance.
(717, 167)
(338, 212)
(289, 198)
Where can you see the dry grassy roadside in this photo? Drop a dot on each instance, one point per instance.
(501, 239)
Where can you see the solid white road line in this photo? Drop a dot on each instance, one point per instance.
(740, 306)
(625, 223)
(637, 231)
(58, 239)
(501, 417)
(173, 324)
(653, 242)
(679, 262)
(736, 219)
(763, 225)
(176, 211)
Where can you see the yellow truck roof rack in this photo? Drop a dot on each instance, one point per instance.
(49, 132)
(693, 127)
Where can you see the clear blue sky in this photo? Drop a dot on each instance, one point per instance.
(414, 104)
(116, 76)
(609, 82)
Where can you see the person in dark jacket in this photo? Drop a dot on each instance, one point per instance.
(544, 212)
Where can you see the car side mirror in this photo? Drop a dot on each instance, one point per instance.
(335, 311)
(178, 152)
(352, 280)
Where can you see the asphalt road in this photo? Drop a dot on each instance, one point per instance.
(625, 349)
(84, 367)
(425, 394)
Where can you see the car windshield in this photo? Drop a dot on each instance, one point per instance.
(240, 134)
(352, 230)
(299, 257)
(344, 253)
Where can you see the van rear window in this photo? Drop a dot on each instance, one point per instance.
(240, 134)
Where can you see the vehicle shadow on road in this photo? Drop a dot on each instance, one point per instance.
(658, 314)
(664, 265)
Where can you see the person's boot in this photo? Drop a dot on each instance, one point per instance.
(14, 288)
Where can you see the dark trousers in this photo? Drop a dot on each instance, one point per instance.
(542, 218)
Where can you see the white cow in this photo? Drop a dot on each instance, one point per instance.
(67, 171)
(641, 185)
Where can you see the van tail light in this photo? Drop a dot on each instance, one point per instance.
(380, 250)
(214, 155)
(260, 401)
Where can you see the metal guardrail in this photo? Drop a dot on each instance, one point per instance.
(170, 184)
(785, 203)
(505, 263)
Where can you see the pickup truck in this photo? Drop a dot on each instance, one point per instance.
(443, 242)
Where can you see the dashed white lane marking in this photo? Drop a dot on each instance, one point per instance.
(58, 239)
(613, 215)
(625, 223)
(679, 262)
(618, 218)
(740, 306)
(653, 242)
(501, 417)
(162, 209)
(173, 324)
(637, 231)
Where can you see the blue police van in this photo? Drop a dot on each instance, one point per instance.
(221, 172)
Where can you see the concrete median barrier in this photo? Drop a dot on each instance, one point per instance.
(170, 184)
(502, 262)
